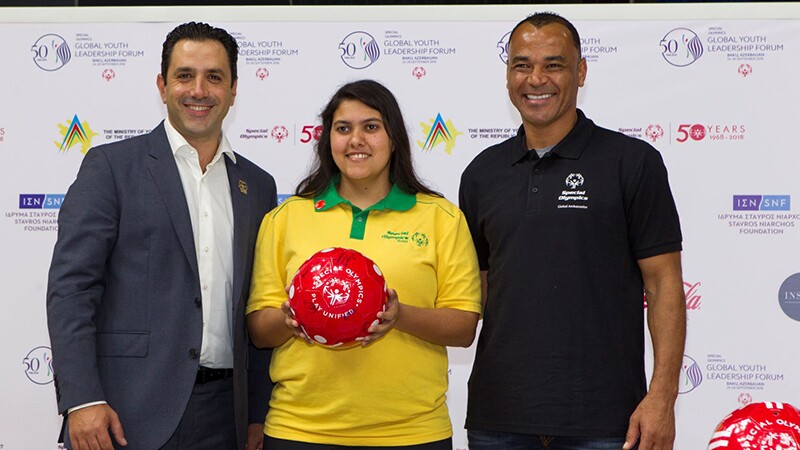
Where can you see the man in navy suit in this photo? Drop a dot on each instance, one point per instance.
(151, 272)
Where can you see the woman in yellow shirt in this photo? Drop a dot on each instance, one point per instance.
(362, 193)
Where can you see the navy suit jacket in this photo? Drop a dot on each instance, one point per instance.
(123, 296)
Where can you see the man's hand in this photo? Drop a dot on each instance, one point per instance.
(652, 424)
(255, 436)
(88, 428)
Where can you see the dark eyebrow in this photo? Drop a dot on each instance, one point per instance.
(347, 122)
(214, 70)
(546, 58)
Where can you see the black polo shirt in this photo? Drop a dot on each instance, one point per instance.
(561, 350)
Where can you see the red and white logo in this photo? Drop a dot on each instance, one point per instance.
(336, 291)
(745, 399)
(654, 132)
(108, 74)
(745, 70)
(419, 72)
(716, 132)
(262, 73)
(279, 132)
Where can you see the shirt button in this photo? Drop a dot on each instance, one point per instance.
(205, 249)
(205, 213)
(535, 190)
(535, 170)
(205, 287)
(193, 353)
(360, 219)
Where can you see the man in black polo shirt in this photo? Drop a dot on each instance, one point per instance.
(572, 223)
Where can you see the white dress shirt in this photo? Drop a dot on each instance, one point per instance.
(208, 196)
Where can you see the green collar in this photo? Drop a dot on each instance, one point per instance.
(396, 200)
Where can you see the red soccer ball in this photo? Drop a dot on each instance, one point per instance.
(759, 426)
(336, 295)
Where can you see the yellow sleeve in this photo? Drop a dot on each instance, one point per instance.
(267, 288)
(457, 274)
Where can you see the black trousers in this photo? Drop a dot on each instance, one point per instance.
(208, 423)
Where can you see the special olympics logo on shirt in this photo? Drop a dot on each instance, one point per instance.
(359, 50)
(51, 52)
(503, 46)
(681, 47)
(574, 180)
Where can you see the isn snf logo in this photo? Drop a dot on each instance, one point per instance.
(789, 297)
(762, 203)
(40, 201)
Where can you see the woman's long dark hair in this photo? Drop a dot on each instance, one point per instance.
(377, 97)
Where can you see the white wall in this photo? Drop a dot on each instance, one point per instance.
(740, 266)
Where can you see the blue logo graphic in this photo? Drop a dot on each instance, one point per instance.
(359, 50)
(762, 202)
(681, 47)
(690, 377)
(51, 52)
(503, 46)
(39, 365)
(40, 201)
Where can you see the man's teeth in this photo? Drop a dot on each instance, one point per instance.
(538, 97)
(198, 108)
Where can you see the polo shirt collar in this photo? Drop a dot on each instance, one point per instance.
(396, 199)
(570, 147)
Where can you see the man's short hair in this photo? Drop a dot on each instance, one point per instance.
(199, 31)
(541, 19)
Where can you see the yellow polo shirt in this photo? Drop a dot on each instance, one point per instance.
(392, 392)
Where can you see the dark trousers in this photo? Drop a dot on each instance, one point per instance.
(209, 420)
(281, 444)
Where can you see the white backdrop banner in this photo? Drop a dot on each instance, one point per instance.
(710, 86)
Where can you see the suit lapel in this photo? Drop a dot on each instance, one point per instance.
(241, 220)
(162, 167)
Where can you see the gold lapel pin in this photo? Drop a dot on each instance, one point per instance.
(242, 187)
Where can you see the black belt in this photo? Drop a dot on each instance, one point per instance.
(205, 375)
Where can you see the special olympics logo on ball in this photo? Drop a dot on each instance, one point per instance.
(690, 377)
(51, 52)
(503, 46)
(681, 47)
(359, 50)
(39, 365)
(789, 296)
(336, 291)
